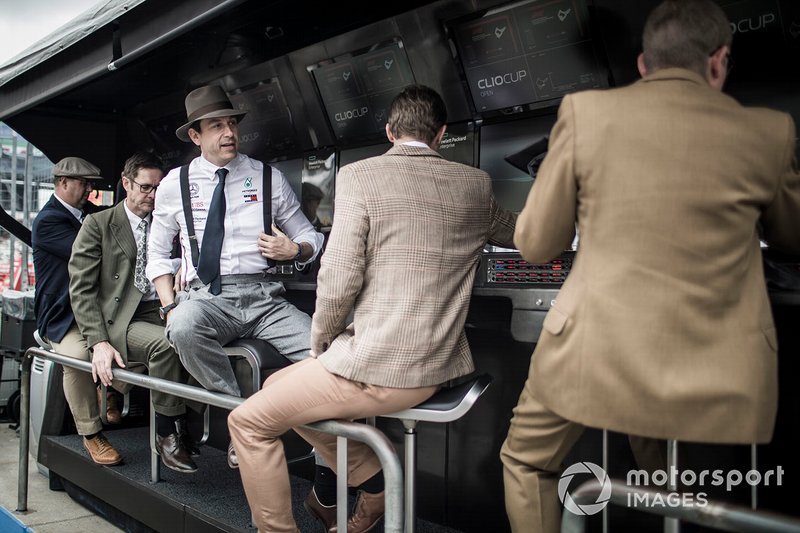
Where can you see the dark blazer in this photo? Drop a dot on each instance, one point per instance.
(54, 231)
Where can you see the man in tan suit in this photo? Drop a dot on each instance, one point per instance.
(407, 234)
(663, 328)
(116, 309)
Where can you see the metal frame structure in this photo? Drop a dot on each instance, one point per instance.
(372, 437)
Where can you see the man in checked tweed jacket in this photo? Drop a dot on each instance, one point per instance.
(407, 234)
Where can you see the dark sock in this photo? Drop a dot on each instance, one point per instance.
(90, 437)
(325, 485)
(165, 425)
(373, 485)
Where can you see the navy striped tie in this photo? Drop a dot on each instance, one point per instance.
(208, 264)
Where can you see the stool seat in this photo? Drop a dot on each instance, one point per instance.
(262, 359)
(450, 403)
(447, 405)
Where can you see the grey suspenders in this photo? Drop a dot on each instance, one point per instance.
(187, 209)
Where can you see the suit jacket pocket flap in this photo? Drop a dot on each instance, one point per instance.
(555, 321)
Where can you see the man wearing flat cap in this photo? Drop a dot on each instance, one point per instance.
(54, 230)
(231, 201)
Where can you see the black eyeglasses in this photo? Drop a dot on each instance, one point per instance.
(146, 188)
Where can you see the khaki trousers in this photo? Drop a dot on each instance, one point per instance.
(301, 393)
(146, 344)
(532, 455)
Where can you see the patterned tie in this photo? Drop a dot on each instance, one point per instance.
(139, 279)
(211, 248)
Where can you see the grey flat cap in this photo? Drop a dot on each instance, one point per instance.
(75, 167)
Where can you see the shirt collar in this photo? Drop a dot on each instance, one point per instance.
(132, 218)
(418, 144)
(77, 213)
(207, 165)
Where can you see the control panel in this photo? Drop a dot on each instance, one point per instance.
(509, 269)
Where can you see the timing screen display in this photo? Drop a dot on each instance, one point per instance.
(528, 53)
(357, 91)
(267, 125)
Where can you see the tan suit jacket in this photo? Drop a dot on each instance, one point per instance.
(101, 269)
(408, 230)
(663, 328)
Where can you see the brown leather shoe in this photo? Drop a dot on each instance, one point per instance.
(113, 416)
(174, 454)
(368, 512)
(101, 451)
(233, 461)
(326, 515)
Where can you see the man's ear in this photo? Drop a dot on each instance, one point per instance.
(717, 67)
(439, 136)
(389, 135)
(641, 65)
(194, 135)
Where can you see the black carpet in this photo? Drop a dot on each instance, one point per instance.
(214, 493)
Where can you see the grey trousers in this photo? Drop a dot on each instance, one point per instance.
(203, 323)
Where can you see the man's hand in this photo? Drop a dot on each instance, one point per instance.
(179, 283)
(278, 247)
(103, 354)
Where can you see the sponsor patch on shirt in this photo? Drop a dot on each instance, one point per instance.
(249, 198)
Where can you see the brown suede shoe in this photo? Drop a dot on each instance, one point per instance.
(326, 515)
(113, 416)
(101, 451)
(368, 512)
(233, 461)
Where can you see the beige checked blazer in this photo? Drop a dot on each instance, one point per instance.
(663, 328)
(408, 230)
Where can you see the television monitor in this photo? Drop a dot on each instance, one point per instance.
(312, 180)
(458, 143)
(528, 54)
(357, 89)
(267, 128)
(511, 184)
(351, 155)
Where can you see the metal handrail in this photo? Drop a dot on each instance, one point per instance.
(375, 439)
(720, 516)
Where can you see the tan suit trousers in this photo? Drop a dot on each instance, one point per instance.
(301, 393)
(146, 344)
(537, 443)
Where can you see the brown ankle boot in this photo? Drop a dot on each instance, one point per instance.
(113, 415)
(369, 510)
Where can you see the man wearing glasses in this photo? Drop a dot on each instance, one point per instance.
(116, 310)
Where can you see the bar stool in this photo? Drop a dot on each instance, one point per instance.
(447, 405)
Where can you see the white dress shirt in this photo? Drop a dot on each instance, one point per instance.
(244, 217)
(137, 234)
(77, 213)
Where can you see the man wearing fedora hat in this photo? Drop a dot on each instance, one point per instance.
(54, 230)
(229, 290)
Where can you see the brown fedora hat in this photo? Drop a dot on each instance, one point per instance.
(206, 102)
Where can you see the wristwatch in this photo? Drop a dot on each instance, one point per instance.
(164, 311)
